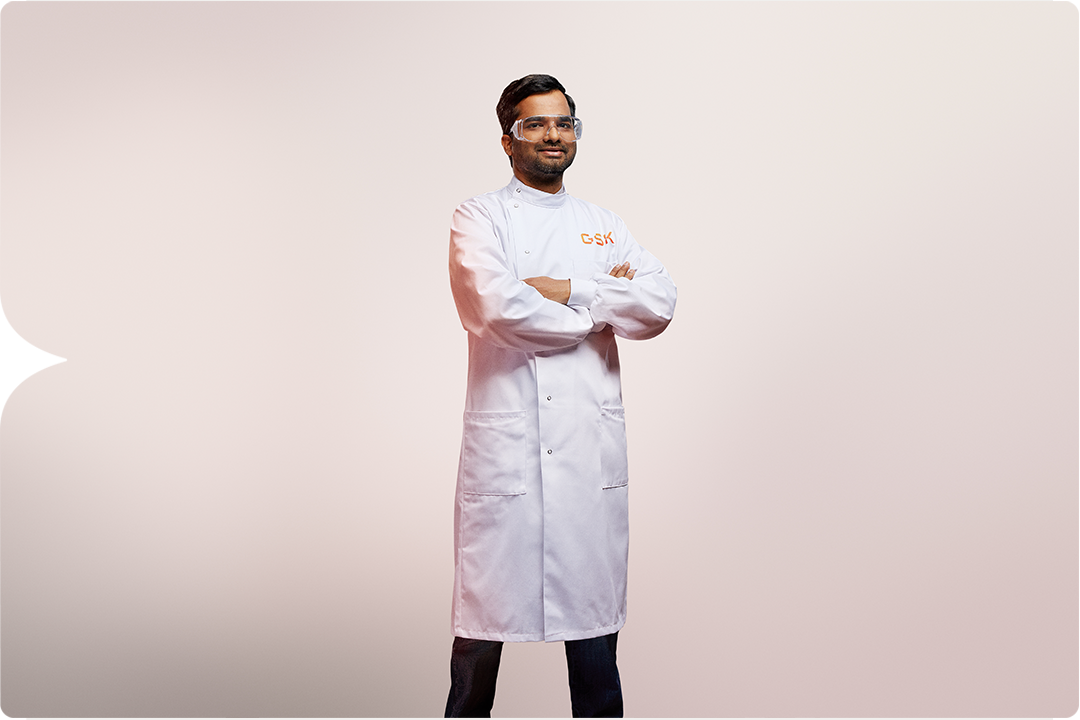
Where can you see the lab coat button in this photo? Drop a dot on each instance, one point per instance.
(526, 252)
(549, 397)
(549, 452)
(515, 204)
(518, 190)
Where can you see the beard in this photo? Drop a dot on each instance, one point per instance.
(541, 165)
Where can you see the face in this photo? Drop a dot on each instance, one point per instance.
(541, 164)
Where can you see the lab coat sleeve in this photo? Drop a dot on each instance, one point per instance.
(493, 304)
(636, 309)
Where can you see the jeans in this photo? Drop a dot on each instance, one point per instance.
(595, 690)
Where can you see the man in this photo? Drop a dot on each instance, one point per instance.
(543, 283)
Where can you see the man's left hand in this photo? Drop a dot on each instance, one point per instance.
(552, 289)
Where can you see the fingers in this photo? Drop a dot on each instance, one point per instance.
(630, 275)
(623, 271)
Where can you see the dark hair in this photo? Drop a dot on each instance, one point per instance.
(518, 90)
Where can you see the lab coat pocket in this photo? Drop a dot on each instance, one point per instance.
(613, 468)
(585, 268)
(493, 453)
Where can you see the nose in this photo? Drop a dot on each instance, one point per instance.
(552, 128)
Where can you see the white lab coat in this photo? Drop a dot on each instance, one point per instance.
(541, 516)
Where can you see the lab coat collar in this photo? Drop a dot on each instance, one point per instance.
(537, 197)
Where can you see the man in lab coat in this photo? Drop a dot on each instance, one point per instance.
(543, 283)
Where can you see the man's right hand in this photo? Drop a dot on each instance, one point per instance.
(552, 289)
(623, 271)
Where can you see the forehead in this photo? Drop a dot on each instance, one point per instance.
(550, 103)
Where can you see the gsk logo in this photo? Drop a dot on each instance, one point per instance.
(597, 239)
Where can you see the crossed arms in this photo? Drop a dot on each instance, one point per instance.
(543, 313)
(559, 290)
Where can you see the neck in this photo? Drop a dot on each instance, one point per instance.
(544, 183)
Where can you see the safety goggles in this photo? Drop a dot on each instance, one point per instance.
(538, 127)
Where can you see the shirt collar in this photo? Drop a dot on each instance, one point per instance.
(537, 197)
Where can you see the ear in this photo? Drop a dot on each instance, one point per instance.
(508, 145)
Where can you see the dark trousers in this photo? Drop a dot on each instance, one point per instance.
(595, 690)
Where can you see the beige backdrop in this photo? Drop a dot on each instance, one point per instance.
(853, 453)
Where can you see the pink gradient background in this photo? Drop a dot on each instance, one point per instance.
(853, 453)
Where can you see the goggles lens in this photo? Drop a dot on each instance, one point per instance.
(540, 127)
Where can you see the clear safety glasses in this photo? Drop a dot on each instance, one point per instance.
(538, 127)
